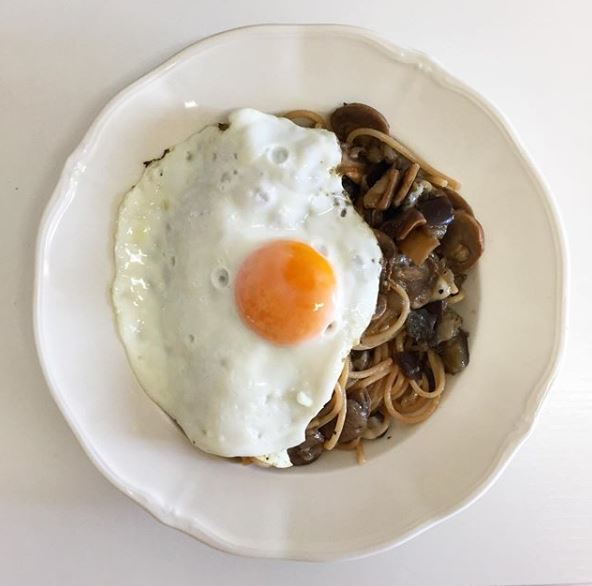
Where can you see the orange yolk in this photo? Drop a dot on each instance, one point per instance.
(284, 292)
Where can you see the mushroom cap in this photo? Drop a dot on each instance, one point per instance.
(418, 245)
(437, 211)
(458, 201)
(309, 450)
(380, 195)
(403, 224)
(455, 353)
(356, 418)
(352, 116)
(463, 243)
(386, 244)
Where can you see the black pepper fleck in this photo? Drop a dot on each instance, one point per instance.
(343, 213)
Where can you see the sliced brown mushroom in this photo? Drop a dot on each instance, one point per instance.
(420, 325)
(402, 225)
(447, 327)
(463, 244)
(377, 426)
(356, 419)
(455, 353)
(432, 281)
(458, 202)
(351, 166)
(309, 450)
(387, 245)
(437, 211)
(406, 183)
(418, 245)
(380, 195)
(409, 363)
(372, 216)
(374, 153)
(375, 171)
(352, 116)
(360, 359)
(353, 172)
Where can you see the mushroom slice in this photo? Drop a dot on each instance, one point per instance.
(458, 201)
(380, 195)
(463, 243)
(377, 426)
(406, 183)
(309, 450)
(352, 116)
(356, 419)
(351, 167)
(353, 172)
(373, 217)
(437, 211)
(432, 281)
(455, 353)
(409, 363)
(418, 281)
(386, 243)
(447, 327)
(420, 325)
(402, 225)
(419, 245)
(360, 359)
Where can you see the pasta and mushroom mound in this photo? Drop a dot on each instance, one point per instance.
(430, 240)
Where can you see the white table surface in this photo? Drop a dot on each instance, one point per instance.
(61, 523)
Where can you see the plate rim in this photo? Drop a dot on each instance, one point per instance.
(60, 199)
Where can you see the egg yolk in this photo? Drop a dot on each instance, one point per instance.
(284, 292)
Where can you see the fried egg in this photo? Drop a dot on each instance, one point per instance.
(243, 278)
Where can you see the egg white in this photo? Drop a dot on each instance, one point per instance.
(183, 232)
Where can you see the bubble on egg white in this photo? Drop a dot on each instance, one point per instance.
(358, 261)
(330, 328)
(303, 399)
(279, 155)
(220, 278)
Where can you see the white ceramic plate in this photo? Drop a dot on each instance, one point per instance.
(333, 509)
